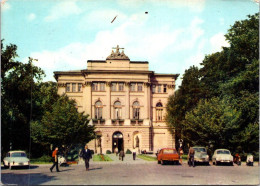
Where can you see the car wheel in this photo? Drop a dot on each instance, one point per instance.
(5, 166)
(159, 162)
(162, 162)
(231, 163)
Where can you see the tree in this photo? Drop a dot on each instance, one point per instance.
(185, 98)
(211, 123)
(18, 82)
(227, 84)
(63, 126)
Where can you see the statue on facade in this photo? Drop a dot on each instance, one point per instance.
(117, 54)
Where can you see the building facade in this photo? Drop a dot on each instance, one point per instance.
(125, 101)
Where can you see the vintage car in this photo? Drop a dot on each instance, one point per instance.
(222, 156)
(250, 160)
(201, 155)
(16, 159)
(61, 159)
(167, 155)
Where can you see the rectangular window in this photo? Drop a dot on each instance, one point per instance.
(79, 87)
(136, 113)
(68, 87)
(117, 113)
(159, 88)
(94, 86)
(139, 87)
(113, 87)
(159, 114)
(102, 86)
(164, 88)
(153, 88)
(121, 86)
(98, 113)
(132, 86)
(73, 87)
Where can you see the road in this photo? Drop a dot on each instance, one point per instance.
(136, 173)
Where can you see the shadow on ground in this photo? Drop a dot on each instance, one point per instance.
(25, 179)
(20, 168)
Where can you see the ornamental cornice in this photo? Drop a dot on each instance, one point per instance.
(61, 84)
(171, 86)
(88, 83)
(147, 84)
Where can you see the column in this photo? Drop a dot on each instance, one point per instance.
(88, 94)
(108, 103)
(147, 103)
(127, 104)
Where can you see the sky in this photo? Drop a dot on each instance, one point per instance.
(172, 36)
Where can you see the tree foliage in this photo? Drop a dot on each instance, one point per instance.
(18, 82)
(62, 125)
(225, 109)
(32, 109)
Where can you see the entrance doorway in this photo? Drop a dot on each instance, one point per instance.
(117, 142)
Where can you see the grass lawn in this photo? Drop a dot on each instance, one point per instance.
(97, 157)
(146, 157)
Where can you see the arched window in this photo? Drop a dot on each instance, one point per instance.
(117, 110)
(136, 110)
(98, 110)
(159, 104)
(159, 111)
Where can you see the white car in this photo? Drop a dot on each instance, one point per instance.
(16, 159)
(250, 160)
(61, 160)
(201, 155)
(222, 156)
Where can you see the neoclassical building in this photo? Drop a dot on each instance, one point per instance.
(125, 101)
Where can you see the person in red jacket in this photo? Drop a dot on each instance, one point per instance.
(55, 160)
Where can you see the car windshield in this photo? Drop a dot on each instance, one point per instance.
(18, 154)
(199, 149)
(223, 152)
(169, 151)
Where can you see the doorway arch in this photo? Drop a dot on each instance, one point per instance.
(117, 141)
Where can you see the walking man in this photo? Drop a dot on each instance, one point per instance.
(86, 154)
(55, 160)
(191, 156)
(134, 154)
(122, 155)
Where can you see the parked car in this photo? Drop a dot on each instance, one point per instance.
(222, 156)
(167, 155)
(61, 159)
(16, 159)
(250, 160)
(201, 155)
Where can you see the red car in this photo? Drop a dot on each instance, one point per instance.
(167, 155)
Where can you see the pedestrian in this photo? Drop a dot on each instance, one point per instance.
(116, 151)
(55, 160)
(134, 154)
(121, 155)
(180, 153)
(86, 155)
(191, 156)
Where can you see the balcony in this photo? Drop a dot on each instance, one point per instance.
(118, 122)
(98, 121)
(136, 122)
